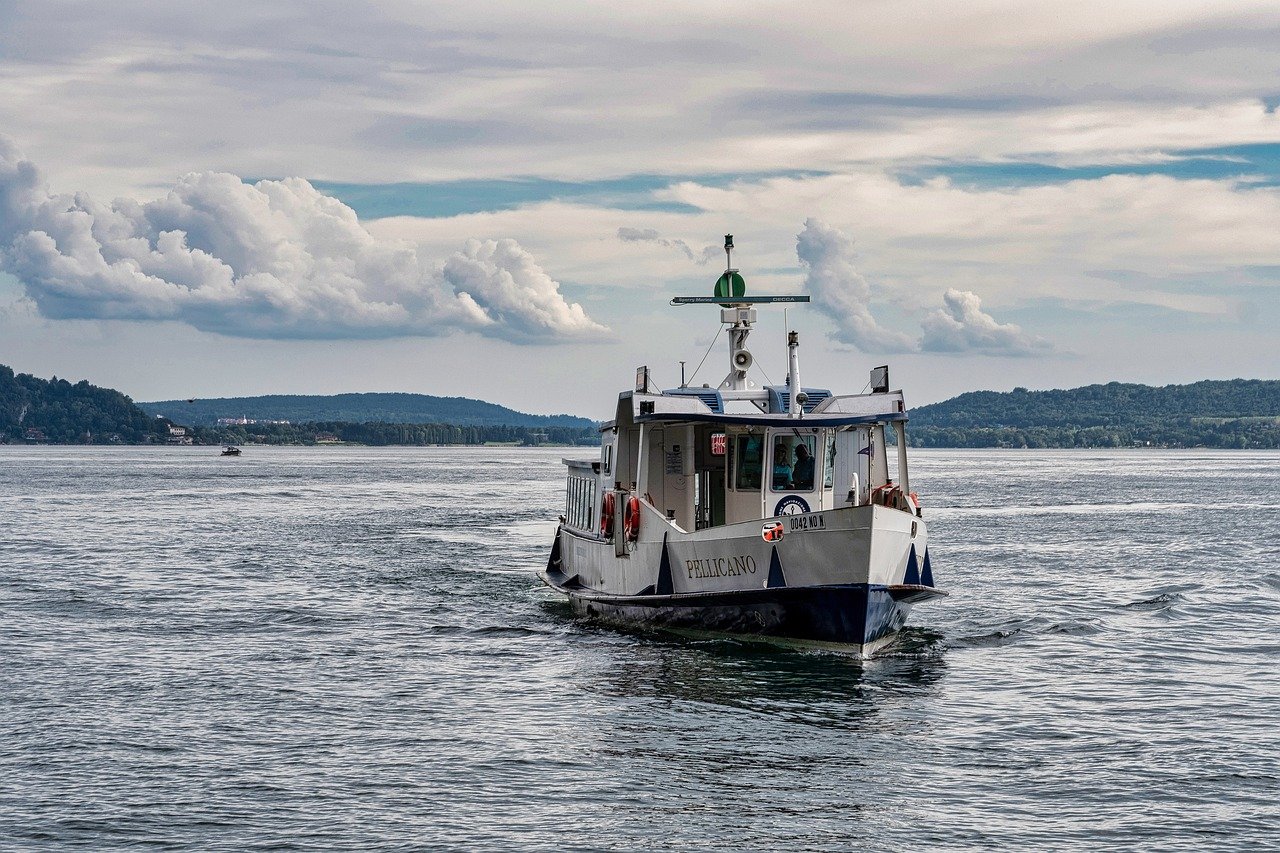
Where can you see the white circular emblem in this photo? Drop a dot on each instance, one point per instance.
(791, 505)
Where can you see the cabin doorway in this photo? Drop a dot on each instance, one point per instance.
(709, 478)
(709, 498)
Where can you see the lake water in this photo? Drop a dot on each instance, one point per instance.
(347, 648)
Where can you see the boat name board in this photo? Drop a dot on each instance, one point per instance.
(721, 567)
(808, 522)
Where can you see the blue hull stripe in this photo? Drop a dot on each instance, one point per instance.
(664, 586)
(776, 577)
(913, 569)
(853, 614)
(926, 574)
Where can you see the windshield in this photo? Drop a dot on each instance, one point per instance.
(793, 463)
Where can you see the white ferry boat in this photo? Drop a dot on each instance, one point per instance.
(748, 510)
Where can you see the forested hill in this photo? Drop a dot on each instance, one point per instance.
(55, 410)
(1233, 413)
(357, 408)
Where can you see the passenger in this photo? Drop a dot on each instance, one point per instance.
(802, 476)
(781, 467)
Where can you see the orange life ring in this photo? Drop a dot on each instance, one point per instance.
(606, 515)
(631, 518)
(891, 495)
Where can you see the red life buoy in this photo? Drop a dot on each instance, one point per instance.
(631, 518)
(889, 495)
(606, 515)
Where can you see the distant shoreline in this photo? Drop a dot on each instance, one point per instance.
(1235, 414)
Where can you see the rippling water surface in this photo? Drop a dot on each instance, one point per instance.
(334, 647)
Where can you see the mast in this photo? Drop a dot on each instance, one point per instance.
(737, 313)
(739, 318)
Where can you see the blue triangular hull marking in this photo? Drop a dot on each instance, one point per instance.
(776, 577)
(663, 586)
(553, 561)
(926, 574)
(913, 568)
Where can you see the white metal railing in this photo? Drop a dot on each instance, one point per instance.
(580, 497)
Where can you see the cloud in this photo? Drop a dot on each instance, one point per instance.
(507, 283)
(840, 292)
(272, 259)
(423, 92)
(651, 235)
(962, 326)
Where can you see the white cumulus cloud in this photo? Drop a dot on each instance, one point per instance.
(840, 292)
(516, 293)
(961, 325)
(272, 259)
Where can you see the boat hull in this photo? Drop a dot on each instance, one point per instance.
(845, 577)
(860, 618)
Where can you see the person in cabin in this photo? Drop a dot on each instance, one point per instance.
(781, 467)
(802, 474)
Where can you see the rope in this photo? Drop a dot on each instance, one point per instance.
(704, 356)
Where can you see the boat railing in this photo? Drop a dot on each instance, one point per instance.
(580, 495)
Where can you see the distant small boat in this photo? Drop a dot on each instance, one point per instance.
(230, 450)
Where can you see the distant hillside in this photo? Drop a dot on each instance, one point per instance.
(57, 411)
(357, 408)
(1234, 413)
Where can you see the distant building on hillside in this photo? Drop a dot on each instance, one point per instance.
(34, 434)
(326, 438)
(243, 421)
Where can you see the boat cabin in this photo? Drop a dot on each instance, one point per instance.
(704, 457)
(703, 467)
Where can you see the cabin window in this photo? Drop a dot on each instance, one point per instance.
(793, 463)
(748, 461)
(829, 476)
(607, 459)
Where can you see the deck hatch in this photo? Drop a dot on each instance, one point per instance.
(710, 397)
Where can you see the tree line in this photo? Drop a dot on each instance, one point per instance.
(382, 434)
(1227, 414)
(1237, 413)
(1233, 434)
(59, 412)
(55, 411)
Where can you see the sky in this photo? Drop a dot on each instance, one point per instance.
(497, 200)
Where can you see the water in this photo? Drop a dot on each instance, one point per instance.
(345, 648)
